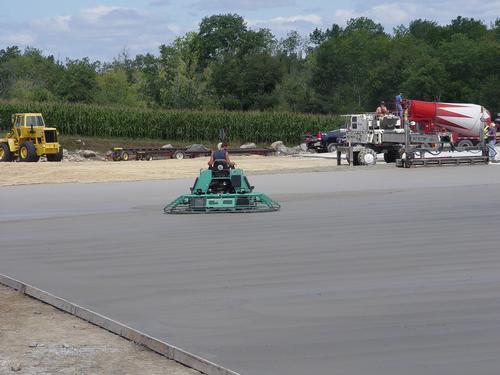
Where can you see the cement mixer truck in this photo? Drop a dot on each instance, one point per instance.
(465, 121)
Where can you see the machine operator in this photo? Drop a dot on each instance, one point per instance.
(220, 154)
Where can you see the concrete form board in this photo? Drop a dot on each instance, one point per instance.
(160, 347)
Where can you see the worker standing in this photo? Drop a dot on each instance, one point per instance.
(381, 110)
(399, 106)
(492, 139)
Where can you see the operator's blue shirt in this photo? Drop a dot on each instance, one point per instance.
(220, 155)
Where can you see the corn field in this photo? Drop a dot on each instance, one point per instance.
(177, 125)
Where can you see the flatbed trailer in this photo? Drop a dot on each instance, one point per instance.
(440, 161)
(125, 154)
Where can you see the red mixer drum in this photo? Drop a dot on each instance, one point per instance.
(465, 119)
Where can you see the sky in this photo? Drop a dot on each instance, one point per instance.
(102, 29)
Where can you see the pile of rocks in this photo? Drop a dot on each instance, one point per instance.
(81, 155)
(281, 149)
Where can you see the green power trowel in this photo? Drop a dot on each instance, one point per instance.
(221, 189)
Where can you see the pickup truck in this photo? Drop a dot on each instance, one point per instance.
(325, 141)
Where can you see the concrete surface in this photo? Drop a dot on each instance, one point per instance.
(365, 270)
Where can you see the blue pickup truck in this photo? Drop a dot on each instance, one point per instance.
(325, 141)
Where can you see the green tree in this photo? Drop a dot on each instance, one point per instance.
(247, 83)
(363, 24)
(184, 85)
(28, 75)
(427, 31)
(219, 35)
(318, 36)
(344, 67)
(471, 28)
(148, 78)
(113, 88)
(79, 82)
(425, 78)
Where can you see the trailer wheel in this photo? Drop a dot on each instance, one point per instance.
(179, 155)
(5, 154)
(367, 157)
(125, 156)
(27, 152)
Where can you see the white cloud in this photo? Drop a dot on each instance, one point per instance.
(301, 23)
(18, 39)
(310, 18)
(243, 4)
(101, 32)
(159, 3)
(388, 14)
(56, 24)
(93, 15)
(442, 11)
(395, 11)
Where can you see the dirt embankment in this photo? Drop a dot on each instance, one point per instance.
(36, 338)
(99, 171)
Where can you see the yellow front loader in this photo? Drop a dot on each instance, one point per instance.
(29, 139)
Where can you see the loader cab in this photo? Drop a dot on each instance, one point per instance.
(28, 120)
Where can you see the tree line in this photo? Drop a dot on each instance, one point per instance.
(227, 65)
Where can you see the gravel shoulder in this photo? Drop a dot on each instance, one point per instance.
(36, 338)
(107, 171)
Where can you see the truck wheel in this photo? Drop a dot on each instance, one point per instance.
(179, 155)
(56, 157)
(5, 154)
(463, 144)
(332, 147)
(27, 152)
(391, 156)
(367, 157)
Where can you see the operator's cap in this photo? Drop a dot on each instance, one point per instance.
(219, 145)
(382, 102)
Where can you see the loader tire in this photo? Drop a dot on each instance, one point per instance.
(27, 152)
(5, 154)
(56, 157)
(367, 157)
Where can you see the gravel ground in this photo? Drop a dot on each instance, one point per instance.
(36, 338)
(99, 171)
